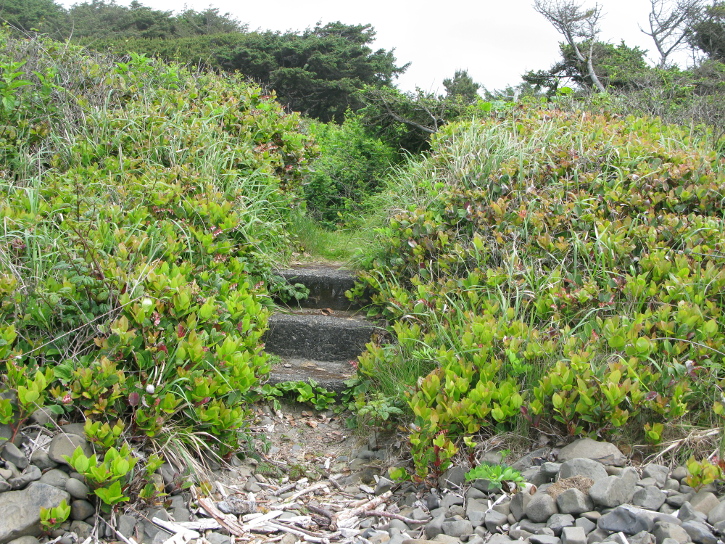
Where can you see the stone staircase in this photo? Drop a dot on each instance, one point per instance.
(321, 337)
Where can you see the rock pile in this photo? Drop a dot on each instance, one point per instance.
(586, 494)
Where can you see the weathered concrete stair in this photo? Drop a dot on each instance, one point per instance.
(320, 338)
(327, 286)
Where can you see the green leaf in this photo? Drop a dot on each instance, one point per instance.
(112, 494)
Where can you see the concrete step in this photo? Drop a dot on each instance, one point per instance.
(340, 336)
(327, 286)
(328, 374)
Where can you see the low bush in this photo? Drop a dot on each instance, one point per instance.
(553, 269)
(352, 166)
(142, 206)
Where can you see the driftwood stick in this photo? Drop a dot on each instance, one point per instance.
(264, 518)
(305, 491)
(285, 488)
(299, 532)
(395, 516)
(321, 511)
(334, 482)
(296, 528)
(368, 505)
(175, 528)
(202, 524)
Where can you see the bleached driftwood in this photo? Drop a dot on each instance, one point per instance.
(349, 518)
(315, 487)
(203, 524)
(181, 535)
(306, 535)
(396, 516)
(261, 519)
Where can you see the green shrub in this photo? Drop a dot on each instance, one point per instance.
(554, 269)
(143, 205)
(496, 474)
(351, 167)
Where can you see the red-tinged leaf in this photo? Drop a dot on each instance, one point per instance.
(162, 347)
(134, 398)
(180, 331)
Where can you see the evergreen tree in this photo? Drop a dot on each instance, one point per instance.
(42, 15)
(463, 86)
(708, 32)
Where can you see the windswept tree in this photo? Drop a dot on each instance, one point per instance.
(406, 121)
(27, 15)
(580, 28)
(317, 72)
(669, 25)
(618, 67)
(98, 21)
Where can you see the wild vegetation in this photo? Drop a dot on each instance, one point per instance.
(554, 249)
(553, 270)
(142, 206)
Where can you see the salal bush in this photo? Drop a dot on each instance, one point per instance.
(554, 270)
(142, 205)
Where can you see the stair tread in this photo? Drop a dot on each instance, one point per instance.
(337, 318)
(326, 285)
(318, 338)
(328, 374)
(317, 272)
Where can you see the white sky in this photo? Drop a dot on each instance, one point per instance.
(495, 40)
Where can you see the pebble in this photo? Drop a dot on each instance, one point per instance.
(81, 509)
(10, 452)
(574, 501)
(76, 488)
(650, 498)
(540, 507)
(64, 444)
(699, 532)
(704, 501)
(457, 528)
(573, 535)
(664, 530)
(612, 491)
(583, 467)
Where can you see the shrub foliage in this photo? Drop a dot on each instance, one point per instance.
(139, 200)
(555, 269)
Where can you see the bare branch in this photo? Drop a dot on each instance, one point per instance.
(668, 23)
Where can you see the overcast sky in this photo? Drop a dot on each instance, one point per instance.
(495, 40)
